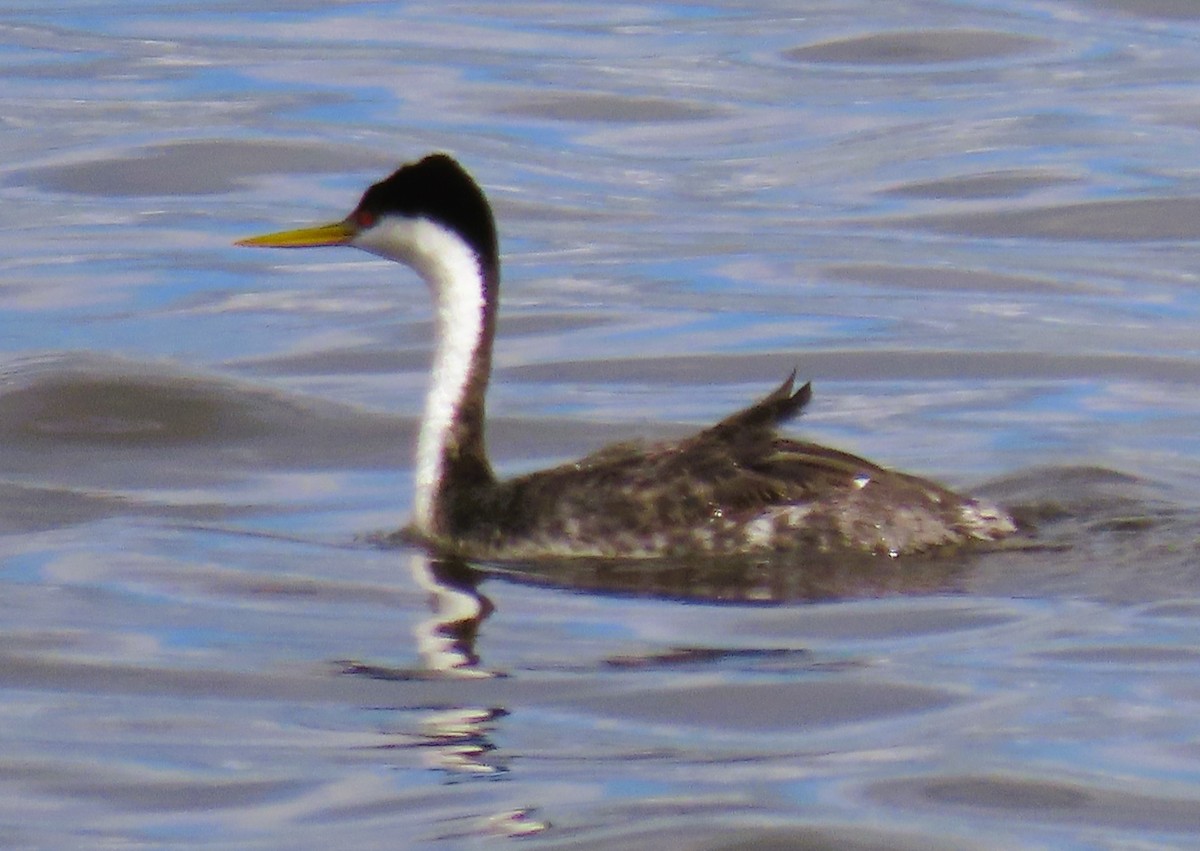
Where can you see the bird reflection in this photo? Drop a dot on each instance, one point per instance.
(446, 639)
(457, 737)
(746, 580)
(452, 737)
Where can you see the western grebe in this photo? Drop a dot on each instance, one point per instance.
(736, 488)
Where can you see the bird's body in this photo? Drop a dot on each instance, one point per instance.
(736, 488)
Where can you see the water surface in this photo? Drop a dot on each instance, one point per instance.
(972, 224)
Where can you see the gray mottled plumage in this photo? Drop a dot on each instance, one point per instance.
(736, 488)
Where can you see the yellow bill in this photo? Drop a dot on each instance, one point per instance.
(335, 233)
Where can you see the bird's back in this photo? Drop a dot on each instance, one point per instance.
(736, 488)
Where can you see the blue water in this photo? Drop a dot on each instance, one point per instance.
(973, 225)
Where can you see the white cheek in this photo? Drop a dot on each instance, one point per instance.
(422, 244)
(390, 238)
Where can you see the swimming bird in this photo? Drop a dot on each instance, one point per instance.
(737, 488)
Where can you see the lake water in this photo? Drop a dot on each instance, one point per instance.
(974, 225)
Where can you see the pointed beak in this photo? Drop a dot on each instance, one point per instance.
(335, 233)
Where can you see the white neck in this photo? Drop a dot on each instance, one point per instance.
(452, 271)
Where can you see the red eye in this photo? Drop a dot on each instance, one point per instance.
(364, 219)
